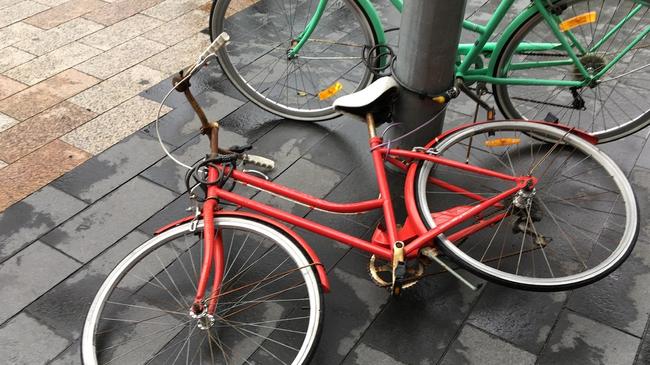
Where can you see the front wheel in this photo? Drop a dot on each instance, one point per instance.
(269, 311)
(613, 107)
(575, 226)
(302, 86)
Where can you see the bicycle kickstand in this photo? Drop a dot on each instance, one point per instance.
(432, 254)
(476, 97)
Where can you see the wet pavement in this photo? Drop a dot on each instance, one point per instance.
(58, 245)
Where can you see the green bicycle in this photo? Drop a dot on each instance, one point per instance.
(584, 62)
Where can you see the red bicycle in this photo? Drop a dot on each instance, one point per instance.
(497, 198)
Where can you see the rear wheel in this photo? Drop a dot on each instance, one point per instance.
(577, 224)
(257, 63)
(611, 109)
(269, 310)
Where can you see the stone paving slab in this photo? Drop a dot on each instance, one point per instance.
(59, 36)
(27, 136)
(35, 170)
(47, 267)
(9, 87)
(474, 346)
(62, 13)
(37, 98)
(104, 40)
(19, 11)
(120, 32)
(23, 223)
(17, 32)
(24, 340)
(84, 237)
(52, 63)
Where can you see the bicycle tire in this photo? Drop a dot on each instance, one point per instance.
(623, 111)
(125, 294)
(571, 223)
(248, 55)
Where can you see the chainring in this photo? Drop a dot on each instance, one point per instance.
(381, 273)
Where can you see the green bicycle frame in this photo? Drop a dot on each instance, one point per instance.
(471, 69)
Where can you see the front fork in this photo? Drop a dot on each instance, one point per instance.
(212, 253)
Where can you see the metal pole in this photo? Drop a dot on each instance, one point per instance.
(428, 41)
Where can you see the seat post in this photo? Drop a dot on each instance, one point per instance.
(370, 120)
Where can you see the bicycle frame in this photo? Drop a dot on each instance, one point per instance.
(413, 233)
(467, 68)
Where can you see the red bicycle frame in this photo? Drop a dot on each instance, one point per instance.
(413, 233)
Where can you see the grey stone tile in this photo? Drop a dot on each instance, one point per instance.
(289, 141)
(182, 124)
(17, 32)
(621, 299)
(343, 149)
(109, 128)
(110, 218)
(359, 185)
(30, 273)
(307, 177)
(180, 28)
(118, 89)
(171, 9)
(59, 36)
(520, 317)
(19, 11)
(181, 54)
(171, 213)
(52, 63)
(25, 221)
(640, 180)
(120, 32)
(366, 355)
(120, 58)
(110, 169)
(624, 152)
(64, 308)
(250, 121)
(24, 340)
(644, 157)
(350, 309)
(328, 250)
(176, 99)
(172, 176)
(578, 340)
(436, 305)
(71, 356)
(12, 57)
(477, 347)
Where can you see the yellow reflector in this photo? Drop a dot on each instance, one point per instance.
(330, 91)
(501, 142)
(578, 20)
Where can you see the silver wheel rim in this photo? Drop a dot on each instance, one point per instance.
(621, 181)
(91, 322)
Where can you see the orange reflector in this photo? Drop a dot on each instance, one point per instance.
(330, 91)
(578, 20)
(501, 142)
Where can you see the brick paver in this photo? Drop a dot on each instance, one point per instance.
(92, 119)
